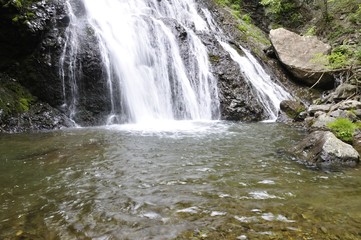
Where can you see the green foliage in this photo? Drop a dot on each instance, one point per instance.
(283, 11)
(343, 128)
(278, 7)
(246, 18)
(251, 32)
(275, 6)
(339, 31)
(311, 31)
(242, 28)
(337, 60)
(223, 3)
(24, 104)
(356, 17)
(357, 54)
(234, 4)
(339, 57)
(236, 13)
(236, 7)
(18, 4)
(20, 11)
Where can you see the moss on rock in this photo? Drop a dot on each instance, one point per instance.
(14, 98)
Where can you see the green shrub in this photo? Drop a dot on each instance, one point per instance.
(275, 6)
(340, 57)
(24, 104)
(242, 28)
(246, 18)
(357, 54)
(356, 16)
(343, 128)
(311, 31)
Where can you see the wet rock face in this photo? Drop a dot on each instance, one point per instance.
(39, 66)
(237, 101)
(21, 32)
(33, 52)
(35, 45)
(22, 112)
(40, 117)
(90, 91)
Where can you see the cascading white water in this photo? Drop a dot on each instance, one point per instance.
(268, 92)
(142, 57)
(69, 56)
(157, 67)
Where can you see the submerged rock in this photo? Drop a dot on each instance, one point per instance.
(324, 149)
(301, 56)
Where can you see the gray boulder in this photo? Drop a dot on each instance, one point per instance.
(321, 120)
(324, 149)
(344, 114)
(343, 92)
(349, 105)
(319, 108)
(301, 56)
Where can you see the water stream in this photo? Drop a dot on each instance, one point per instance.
(216, 179)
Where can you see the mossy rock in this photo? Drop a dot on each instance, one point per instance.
(292, 108)
(14, 98)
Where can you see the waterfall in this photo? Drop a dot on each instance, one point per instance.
(144, 65)
(268, 92)
(69, 63)
(154, 62)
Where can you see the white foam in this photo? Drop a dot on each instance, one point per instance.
(262, 195)
(216, 213)
(267, 182)
(246, 219)
(191, 210)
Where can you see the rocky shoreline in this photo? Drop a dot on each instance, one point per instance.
(37, 103)
(333, 120)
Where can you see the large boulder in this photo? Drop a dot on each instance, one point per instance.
(321, 121)
(302, 57)
(319, 108)
(324, 149)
